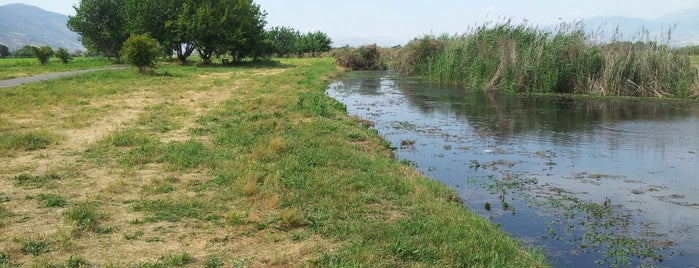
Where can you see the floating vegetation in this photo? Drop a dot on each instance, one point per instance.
(407, 143)
(604, 228)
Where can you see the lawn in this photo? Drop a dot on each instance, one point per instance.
(22, 67)
(219, 167)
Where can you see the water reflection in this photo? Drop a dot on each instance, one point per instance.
(628, 163)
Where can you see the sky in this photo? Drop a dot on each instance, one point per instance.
(395, 22)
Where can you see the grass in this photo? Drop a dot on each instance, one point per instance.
(22, 67)
(218, 167)
(509, 58)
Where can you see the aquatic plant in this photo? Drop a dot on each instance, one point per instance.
(508, 58)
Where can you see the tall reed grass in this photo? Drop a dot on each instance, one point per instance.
(509, 58)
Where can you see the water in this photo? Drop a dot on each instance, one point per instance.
(592, 182)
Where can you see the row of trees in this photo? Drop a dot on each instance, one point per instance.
(211, 27)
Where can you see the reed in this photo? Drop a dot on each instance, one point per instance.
(507, 58)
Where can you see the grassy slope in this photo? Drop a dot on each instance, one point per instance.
(214, 167)
(16, 68)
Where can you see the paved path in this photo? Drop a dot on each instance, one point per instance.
(41, 77)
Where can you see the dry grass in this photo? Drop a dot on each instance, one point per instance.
(234, 166)
(127, 240)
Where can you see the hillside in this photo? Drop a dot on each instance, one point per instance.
(681, 25)
(28, 25)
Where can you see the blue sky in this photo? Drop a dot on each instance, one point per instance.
(393, 22)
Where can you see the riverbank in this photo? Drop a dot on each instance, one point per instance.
(214, 167)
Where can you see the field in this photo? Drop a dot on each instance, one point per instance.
(219, 167)
(16, 68)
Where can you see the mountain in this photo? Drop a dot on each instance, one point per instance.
(29, 25)
(682, 26)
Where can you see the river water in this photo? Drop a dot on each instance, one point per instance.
(591, 182)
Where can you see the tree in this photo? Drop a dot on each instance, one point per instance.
(165, 22)
(42, 53)
(101, 25)
(141, 50)
(4, 51)
(313, 42)
(63, 55)
(283, 40)
(224, 26)
(23, 52)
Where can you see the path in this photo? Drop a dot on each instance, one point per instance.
(41, 77)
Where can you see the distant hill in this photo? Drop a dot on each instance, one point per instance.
(683, 26)
(29, 25)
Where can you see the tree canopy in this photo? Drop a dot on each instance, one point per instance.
(211, 27)
(4, 51)
(102, 25)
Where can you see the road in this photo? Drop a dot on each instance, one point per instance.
(41, 77)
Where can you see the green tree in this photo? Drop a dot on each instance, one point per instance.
(42, 53)
(23, 52)
(283, 40)
(101, 25)
(141, 50)
(250, 39)
(63, 55)
(313, 42)
(165, 22)
(4, 51)
(223, 26)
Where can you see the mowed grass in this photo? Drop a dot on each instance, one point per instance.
(221, 167)
(22, 67)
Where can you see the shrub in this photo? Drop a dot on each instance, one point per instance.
(364, 58)
(63, 55)
(141, 50)
(42, 53)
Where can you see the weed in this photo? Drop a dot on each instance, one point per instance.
(36, 248)
(76, 262)
(51, 200)
(35, 181)
(82, 215)
(213, 262)
(4, 259)
(136, 235)
(178, 259)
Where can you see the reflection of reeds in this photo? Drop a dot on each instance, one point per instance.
(523, 59)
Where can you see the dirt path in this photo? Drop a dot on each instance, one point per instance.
(36, 78)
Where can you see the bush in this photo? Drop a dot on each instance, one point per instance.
(42, 53)
(141, 50)
(364, 58)
(63, 55)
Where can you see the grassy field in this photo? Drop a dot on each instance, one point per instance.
(16, 68)
(219, 167)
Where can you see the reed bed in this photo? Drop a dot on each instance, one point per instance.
(507, 58)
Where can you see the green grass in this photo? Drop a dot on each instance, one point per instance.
(276, 164)
(27, 180)
(51, 200)
(83, 216)
(16, 68)
(27, 141)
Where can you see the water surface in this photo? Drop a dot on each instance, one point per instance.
(593, 182)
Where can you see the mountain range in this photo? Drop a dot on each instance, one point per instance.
(677, 29)
(29, 25)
